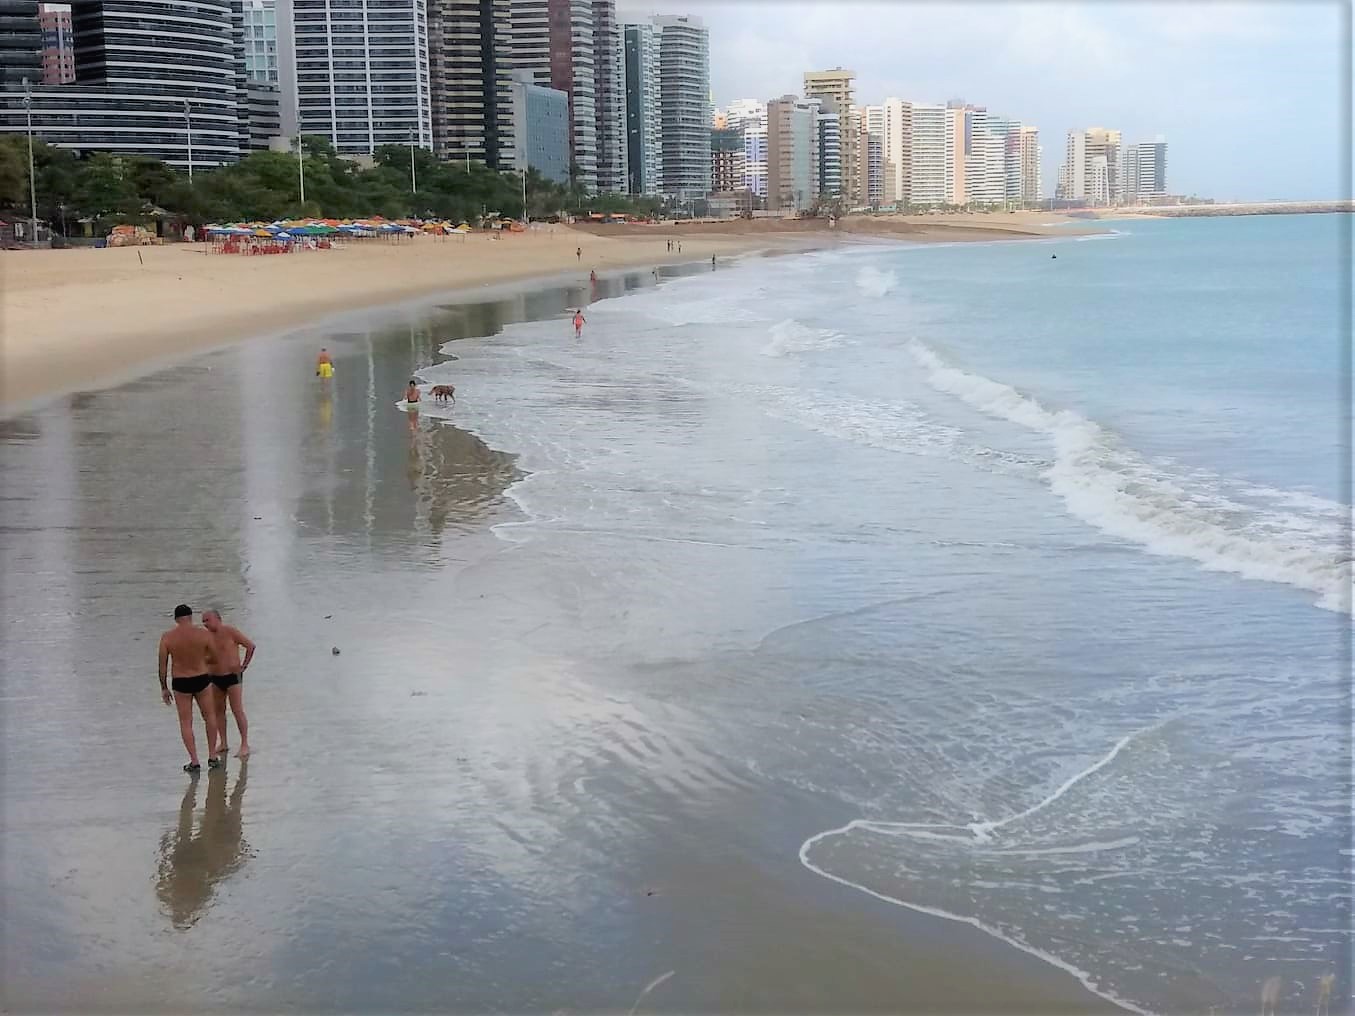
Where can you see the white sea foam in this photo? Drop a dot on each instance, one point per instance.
(789, 337)
(1113, 488)
(975, 834)
(875, 283)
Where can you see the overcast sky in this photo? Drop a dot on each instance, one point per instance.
(1248, 95)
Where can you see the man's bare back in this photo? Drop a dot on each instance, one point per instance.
(186, 653)
(189, 649)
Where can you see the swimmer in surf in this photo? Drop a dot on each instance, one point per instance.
(186, 651)
(579, 321)
(412, 393)
(227, 674)
(324, 366)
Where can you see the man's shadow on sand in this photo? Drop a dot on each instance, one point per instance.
(193, 862)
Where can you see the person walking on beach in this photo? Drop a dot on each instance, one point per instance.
(228, 673)
(412, 393)
(186, 652)
(324, 366)
(579, 321)
(578, 253)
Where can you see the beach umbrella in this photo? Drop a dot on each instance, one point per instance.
(282, 235)
(260, 232)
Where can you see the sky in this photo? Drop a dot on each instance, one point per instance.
(1252, 98)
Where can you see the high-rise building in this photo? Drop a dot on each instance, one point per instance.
(471, 94)
(749, 117)
(828, 141)
(835, 84)
(726, 159)
(609, 103)
(20, 42)
(539, 128)
(553, 40)
(792, 153)
(873, 121)
(58, 47)
(930, 156)
(684, 104)
(362, 75)
(985, 137)
(143, 84)
(261, 40)
(898, 144)
(1145, 171)
(1029, 153)
(1090, 171)
(644, 139)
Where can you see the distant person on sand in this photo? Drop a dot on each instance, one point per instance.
(412, 392)
(324, 366)
(579, 321)
(227, 674)
(186, 651)
(578, 253)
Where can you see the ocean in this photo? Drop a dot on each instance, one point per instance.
(1032, 557)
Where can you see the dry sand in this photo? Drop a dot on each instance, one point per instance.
(82, 318)
(78, 318)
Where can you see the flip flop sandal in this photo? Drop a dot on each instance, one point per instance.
(192, 767)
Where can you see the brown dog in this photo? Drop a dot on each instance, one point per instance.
(444, 393)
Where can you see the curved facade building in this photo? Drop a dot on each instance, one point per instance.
(145, 70)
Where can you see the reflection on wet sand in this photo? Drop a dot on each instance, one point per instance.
(192, 862)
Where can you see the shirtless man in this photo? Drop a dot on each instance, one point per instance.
(324, 366)
(579, 322)
(228, 671)
(190, 648)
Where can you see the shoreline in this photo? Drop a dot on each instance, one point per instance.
(84, 319)
(812, 945)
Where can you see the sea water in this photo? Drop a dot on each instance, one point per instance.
(1033, 557)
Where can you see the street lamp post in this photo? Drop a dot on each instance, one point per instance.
(300, 162)
(32, 183)
(188, 120)
(413, 180)
(524, 195)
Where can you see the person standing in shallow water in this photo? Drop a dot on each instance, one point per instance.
(228, 675)
(579, 322)
(412, 393)
(186, 652)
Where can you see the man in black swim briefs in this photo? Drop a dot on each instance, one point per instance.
(227, 674)
(190, 650)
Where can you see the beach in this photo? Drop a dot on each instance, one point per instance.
(461, 811)
(74, 318)
(852, 631)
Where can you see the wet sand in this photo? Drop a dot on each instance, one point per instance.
(454, 814)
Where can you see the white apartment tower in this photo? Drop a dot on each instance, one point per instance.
(360, 76)
(873, 119)
(684, 104)
(1145, 171)
(1091, 167)
(931, 156)
(898, 145)
(750, 117)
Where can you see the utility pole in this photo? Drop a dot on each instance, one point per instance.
(188, 120)
(32, 183)
(524, 195)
